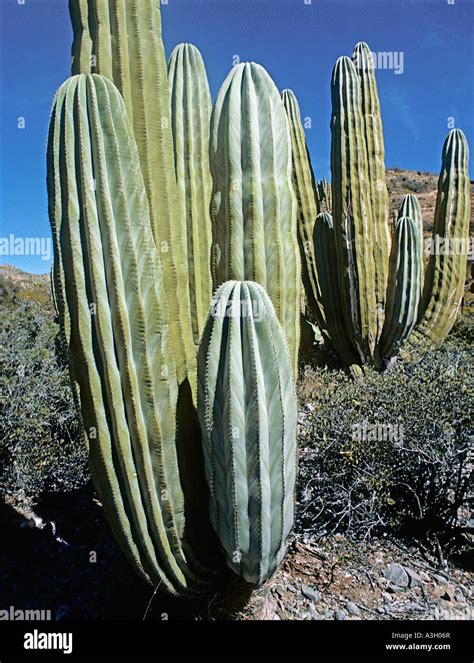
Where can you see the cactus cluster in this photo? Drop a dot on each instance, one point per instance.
(364, 276)
(155, 200)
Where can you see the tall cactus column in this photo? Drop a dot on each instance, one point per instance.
(191, 114)
(375, 150)
(352, 211)
(114, 318)
(121, 39)
(254, 224)
(446, 273)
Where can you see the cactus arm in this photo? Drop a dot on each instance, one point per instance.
(352, 211)
(404, 288)
(190, 115)
(411, 207)
(126, 40)
(372, 126)
(119, 341)
(307, 203)
(247, 409)
(329, 291)
(81, 52)
(254, 220)
(445, 276)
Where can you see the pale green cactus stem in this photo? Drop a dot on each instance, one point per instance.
(404, 287)
(352, 211)
(307, 206)
(374, 142)
(254, 220)
(114, 319)
(446, 273)
(411, 207)
(248, 414)
(190, 115)
(121, 39)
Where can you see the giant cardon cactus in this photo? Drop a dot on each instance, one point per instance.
(375, 297)
(115, 322)
(122, 41)
(248, 414)
(254, 221)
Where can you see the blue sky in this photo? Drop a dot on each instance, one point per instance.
(298, 43)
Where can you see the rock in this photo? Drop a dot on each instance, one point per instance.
(313, 613)
(414, 578)
(291, 589)
(397, 575)
(445, 596)
(459, 595)
(340, 615)
(352, 609)
(310, 593)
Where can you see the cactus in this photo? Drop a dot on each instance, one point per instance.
(114, 319)
(307, 204)
(445, 276)
(352, 212)
(248, 415)
(190, 117)
(254, 219)
(122, 41)
(405, 285)
(375, 151)
(324, 195)
(410, 207)
(328, 290)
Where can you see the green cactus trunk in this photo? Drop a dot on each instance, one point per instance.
(121, 39)
(307, 205)
(114, 319)
(190, 115)
(248, 414)
(375, 151)
(352, 210)
(405, 286)
(254, 224)
(329, 292)
(324, 195)
(445, 277)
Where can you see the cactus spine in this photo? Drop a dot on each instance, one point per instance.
(405, 285)
(254, 220)
(190, 116)
(352, 211)
(446, 273)
(114, 318)
(122, 41)
(248, 415)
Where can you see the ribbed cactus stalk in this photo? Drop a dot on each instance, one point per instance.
(444, 282)
(324, 195)
(411, 207)
(121, 39)
(114, 319)
(375, 151)
(248, 415)
(254, 222)
(404, 288)
(352, 211)
(329, 292)
(307, 207)
(190, 116)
